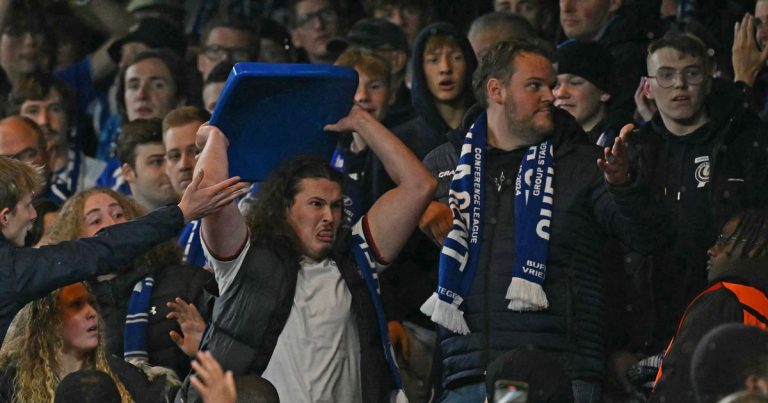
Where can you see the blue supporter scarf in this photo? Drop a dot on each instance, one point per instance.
(533, 213)
(137, 321)
(461, 249)
(367, 267)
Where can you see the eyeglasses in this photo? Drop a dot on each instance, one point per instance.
(325, 15)
(216, 52)
(723, 240)
(665, 77)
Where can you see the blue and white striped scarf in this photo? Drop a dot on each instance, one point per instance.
(366, 265)
(461, 249)
(137, 321)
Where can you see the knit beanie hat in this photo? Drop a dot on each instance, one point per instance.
(586, 59)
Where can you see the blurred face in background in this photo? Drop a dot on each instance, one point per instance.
(316, 23)
(150, 90)
(180, 154)
(583, 19)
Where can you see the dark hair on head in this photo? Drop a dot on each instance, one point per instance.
(135, 133)
(424, 7)
(24, 17)
(267, 218)
(171, 62)
(249, 27)
(751, 234)
(687, 44)
(36, 87)
(499, 63)
(275, 32)
(292, 4)
(219, 73)
(43, 206)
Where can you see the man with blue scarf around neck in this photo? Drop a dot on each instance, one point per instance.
(531, 206)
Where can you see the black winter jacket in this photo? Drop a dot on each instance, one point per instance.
(249, 317)
(27, 274)
(586, 212)
(704, 178)
(141, 389)
(182, 281)
(706, 313)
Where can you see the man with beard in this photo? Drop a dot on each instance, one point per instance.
(529, 214)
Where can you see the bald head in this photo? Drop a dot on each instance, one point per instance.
(489, 29)
(22, 139)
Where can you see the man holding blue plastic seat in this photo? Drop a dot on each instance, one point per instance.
(299, 301)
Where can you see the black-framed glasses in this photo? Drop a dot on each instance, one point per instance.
(326, 15)
(216, 52)
(665, 77)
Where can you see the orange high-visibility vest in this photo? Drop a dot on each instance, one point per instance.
(754, 305)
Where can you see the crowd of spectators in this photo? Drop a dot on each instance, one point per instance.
(530, 200)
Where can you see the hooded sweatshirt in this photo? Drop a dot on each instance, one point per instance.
(704, 177)
(428, 129)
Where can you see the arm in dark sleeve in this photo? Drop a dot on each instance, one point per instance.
(39, 271)
(632, 212)
(708, 312)
(441, 162)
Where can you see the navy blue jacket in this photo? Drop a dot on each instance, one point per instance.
(27, 274)
(586, 213)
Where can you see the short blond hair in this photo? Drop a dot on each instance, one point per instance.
(17, 179)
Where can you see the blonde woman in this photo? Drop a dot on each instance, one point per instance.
(57, 335)
(83, 216)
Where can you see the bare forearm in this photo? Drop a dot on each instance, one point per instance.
(224, 231)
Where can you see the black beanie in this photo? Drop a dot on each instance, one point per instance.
(86, 386)
(588, 60)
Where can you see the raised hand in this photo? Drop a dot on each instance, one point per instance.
(213, 384)
(615, 162)
(746, 56)
(191, 323)
(645, 106)
(197, 202)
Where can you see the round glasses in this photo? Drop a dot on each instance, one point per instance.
(666, 77)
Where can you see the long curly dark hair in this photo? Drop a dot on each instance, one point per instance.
(267, 219)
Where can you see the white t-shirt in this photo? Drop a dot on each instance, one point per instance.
(317, 356)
